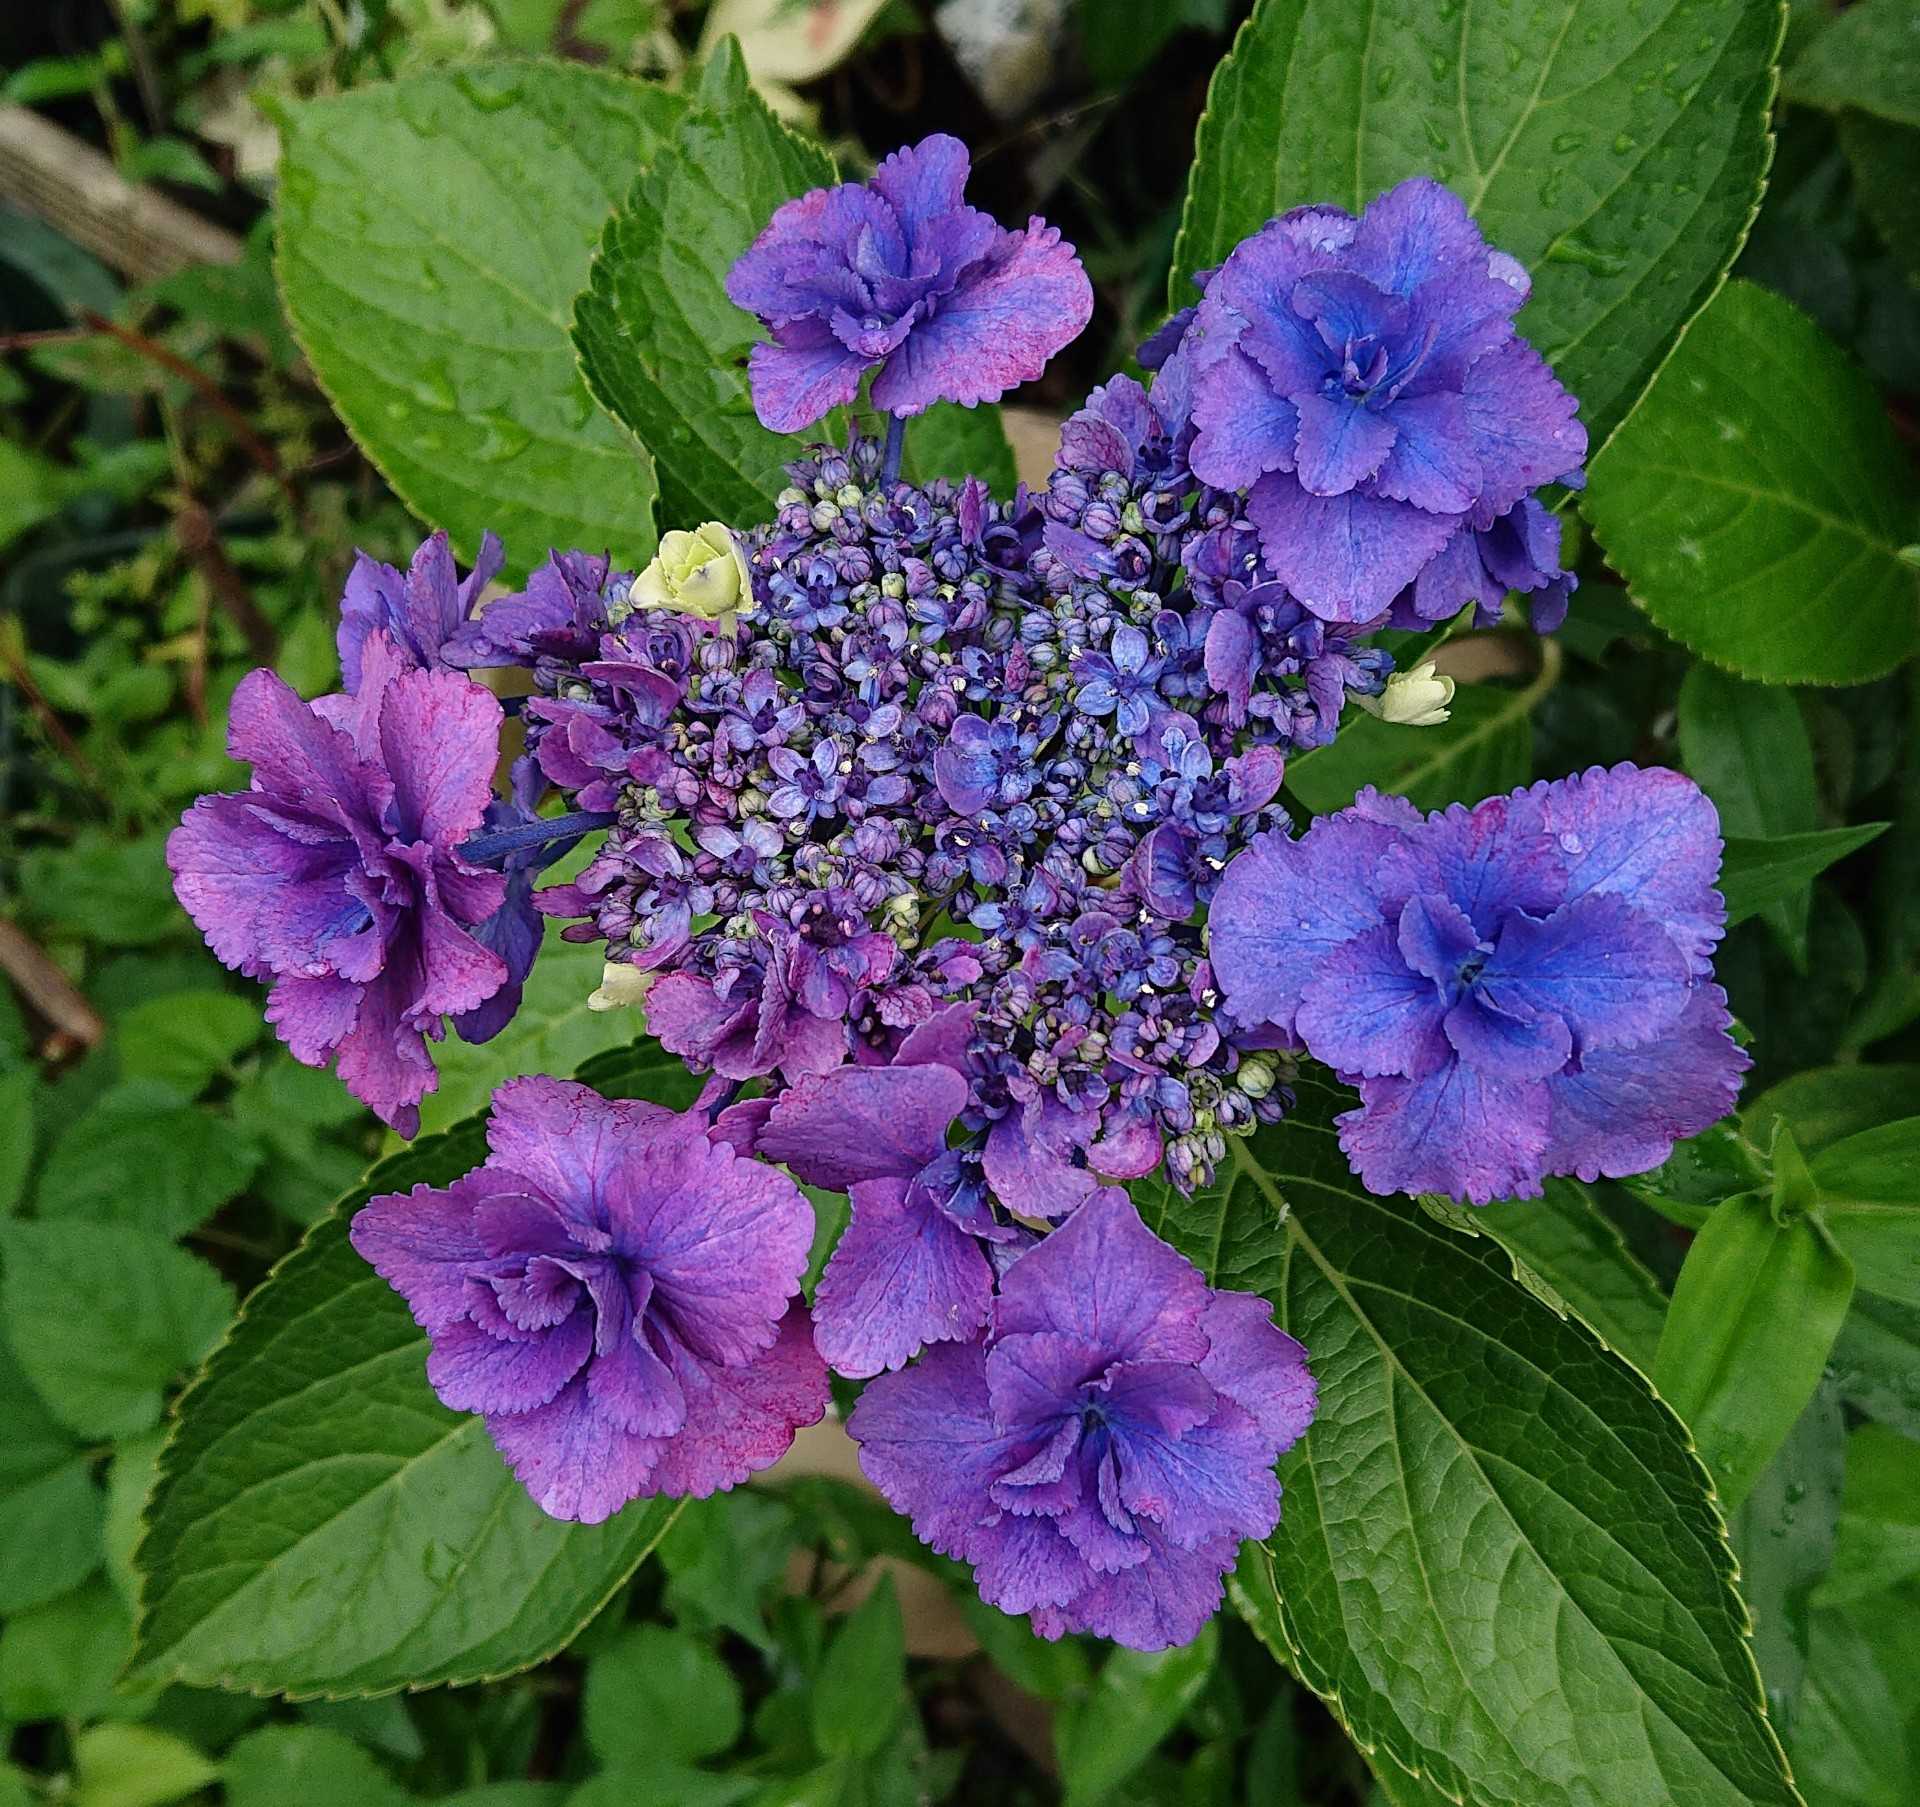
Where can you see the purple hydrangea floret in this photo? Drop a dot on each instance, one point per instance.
(1362, 381)
(901, 277)
(614, 1291)
(420, 612)
(1101, 1451)
(1519, 989)
(338, 878)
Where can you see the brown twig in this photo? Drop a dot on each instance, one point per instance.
(48, 989)
(249, 441)
(57, 335)
(200, 540)
(48, 717)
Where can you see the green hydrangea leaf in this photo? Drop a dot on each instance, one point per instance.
(433, 232)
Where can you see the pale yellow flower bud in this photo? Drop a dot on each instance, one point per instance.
(702, 573)
(1413, 699)
(620, 985)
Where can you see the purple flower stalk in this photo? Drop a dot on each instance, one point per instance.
(614, 1291)
(901, 277)
(1362, 381)
(338, 876)
(1099, 1454)
(1519, 989)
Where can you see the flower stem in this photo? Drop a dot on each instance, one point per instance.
(490, 849)
(896, 449)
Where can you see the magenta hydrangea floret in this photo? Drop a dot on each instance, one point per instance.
(423, 612)
(614, 1290)
(338, 876)
(901, 277)
(1101, 1451)
(1362, 381)
(1519, 989)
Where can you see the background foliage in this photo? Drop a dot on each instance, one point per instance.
(1568, 1453)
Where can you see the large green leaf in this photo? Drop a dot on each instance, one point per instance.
(1567, 1241)
(433, 234)
(323, 1525)
(1824, 1104)
(1483, 748)
(1757, 501)
(1498, 1558)
(1866, 60)
(1756, 873)
(1748, 747)
(660, 343)
(1616, 147)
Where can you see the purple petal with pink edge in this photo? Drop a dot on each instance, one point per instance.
(1232, 660)
(741, 1420)
(374, 597)
(1524, 425)
(1415, 233)
(805, 373)
(575, 1462)
(1344, 557)
(1004, 319)
(457, 973)
(1517, 1045)
(1103, 1275)
(422, 1243)
(1028, 1159)
(1130, 1144)
(921, 181)
(475, 1372)
(1024, 1565)
(1453, 1130)
(863, 1123)
(564, 1138)
(1212, 1481)
(1364, 1012)
(297, 757)
(1621, 1111)
(265, 902)
(901, 1277)
(313, 1016)
(440, 741)
(1613, 973)
(1245, 427)
(1259, 1366)
(725, 1240)
(1433, 462)
(928, 1441)
(1436, 939)
(942, 1040)
(432, 599)
(739, 1125)
(800, 264)
(382, 1060)
(1650, 835)
(1283, 906)
(1341, 443)
(1488, 860)
(1160, 1603)
(689, 1018)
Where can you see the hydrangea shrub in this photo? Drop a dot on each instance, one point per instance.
(941, 840)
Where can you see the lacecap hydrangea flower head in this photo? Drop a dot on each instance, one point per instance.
(1518, 989)
(1099, 1454)
(614, 1289)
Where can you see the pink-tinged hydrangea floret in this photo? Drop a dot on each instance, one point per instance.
(1361, 380)
(901, 277)
(338, 876)
(1519, 989)
(614, 1290)
(1099, 1452)
(423, 612)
